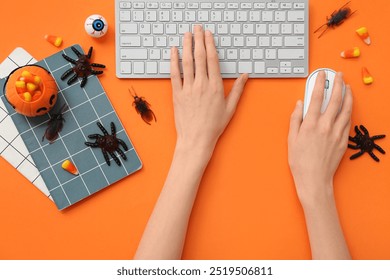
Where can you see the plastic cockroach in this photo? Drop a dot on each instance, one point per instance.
(142, 107)
(55, 125)
(336, 18)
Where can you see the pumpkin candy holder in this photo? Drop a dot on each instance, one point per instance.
(26, 82)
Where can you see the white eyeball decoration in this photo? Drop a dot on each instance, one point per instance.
(96, 26)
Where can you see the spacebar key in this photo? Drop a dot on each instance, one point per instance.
(228, 67)
(134, 54)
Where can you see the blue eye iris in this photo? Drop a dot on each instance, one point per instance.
(98, 25)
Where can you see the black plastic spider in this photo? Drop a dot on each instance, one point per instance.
(108, 143)
(82, 67)
(365, 143)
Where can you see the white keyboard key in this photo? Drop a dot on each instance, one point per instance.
(254, 16)
(219, 5)
(158, 28)
(222, 28)
(126, 67)
(294, 41)
(125, 5)
(139, 67)
(299, 28)
(221, 53)
(124, 15)
(235, 28)
(151, 15)
(248, 28)
(259, 6)
(154, 54)
(161, 41)
(242, 16)
(286, 28)
(245, 54)
(246, 5)
(147, 41)
(273, 28)
(166, 54)
(170, 28)
(130, 41)
(228, 16)
(190, 16)
(245, 67)
(177, 16)
(183, 28)
(180, 5)
(264, 41)
(285, 70)
(299, 5)
(258, 54)
(166, 5)
(232, 54)
(164, 16)
(299, 70)
(238, 41)
(272, 5)
(280, 15)
(139, 5)
(203, 16)
(128, 28)
(134, 54)
(228, 67)
(291, 53)
(210, 27)
(226, 41)
(144, 28)
(295, 15)
(151, 67)
(216, 16)
(259, 67)
(270, 54)
(232, 6)
(138, 15)
(261, 28)
(174, 41)
(285, 5)
(267, 15)
(285, 64)
(277, 41)
(152, 5)
(272, 70)
(251, 41)
(165, 67)
(205, 5)
(193, 5)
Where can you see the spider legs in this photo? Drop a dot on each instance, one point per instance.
(115, 158)
(102, 128)
(90, 52)
(71, 60)
(66, 74)
(113, 129)
(120, 141)
(93, 145)
(358, 154)
(98, 65)
(121, 153)
(106, 157)
(76, 51)
(83, 81)
(72, 79)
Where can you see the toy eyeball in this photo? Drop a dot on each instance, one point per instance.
(96, 26)
(31, 90)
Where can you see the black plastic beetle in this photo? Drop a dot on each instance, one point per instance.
(336, 18)
(142, 107)
(55, 125)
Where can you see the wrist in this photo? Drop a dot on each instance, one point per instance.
(195, 153)
(315, 195)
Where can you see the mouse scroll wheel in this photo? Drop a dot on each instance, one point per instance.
(326, 84)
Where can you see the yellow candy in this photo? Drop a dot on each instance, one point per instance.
(27, 96)
(26, 74)
(31, 87)
(70, 167)
(37, 80)
(20, 84)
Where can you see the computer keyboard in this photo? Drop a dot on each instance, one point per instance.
(267, 39)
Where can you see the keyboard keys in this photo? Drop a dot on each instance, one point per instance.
(228, 67)
(134, 54)
(291, 53)
(129, 28)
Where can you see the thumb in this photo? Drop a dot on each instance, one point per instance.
(295, 121)
(235, 93)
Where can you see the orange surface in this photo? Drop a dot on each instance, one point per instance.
(247, 206)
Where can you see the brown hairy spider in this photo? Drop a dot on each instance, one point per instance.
(82, 67)
(108, 143)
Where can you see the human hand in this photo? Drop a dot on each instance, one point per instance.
(317, 144)
(201, 110)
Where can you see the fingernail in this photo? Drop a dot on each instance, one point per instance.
(208, 33)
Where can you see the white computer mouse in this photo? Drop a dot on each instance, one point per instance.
(310, 82)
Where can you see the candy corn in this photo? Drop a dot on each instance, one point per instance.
(29, 85)
(367, 78)
(27, 96)
(54, 40)
(362, 32)
(351, 53)
(69, 166)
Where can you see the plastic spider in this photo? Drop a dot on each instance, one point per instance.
(108, 143)
(82, 67)
(365, 143)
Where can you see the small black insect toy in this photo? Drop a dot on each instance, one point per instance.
(108, 143)
(55, 125)
(142, 107)
(336, 18)
(365, 143)
(82, 67)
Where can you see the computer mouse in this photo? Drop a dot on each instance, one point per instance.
(310, 82)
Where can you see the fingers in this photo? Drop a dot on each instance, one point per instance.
(317, 96)
(188, 59)
(200, 53)
(235, 94)
(344, 117)
(295, 121)
(214, 72)
(175, 70)
(336, 98)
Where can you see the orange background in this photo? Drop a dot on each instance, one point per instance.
(246, 206)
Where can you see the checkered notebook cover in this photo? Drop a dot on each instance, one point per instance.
(87, 106)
